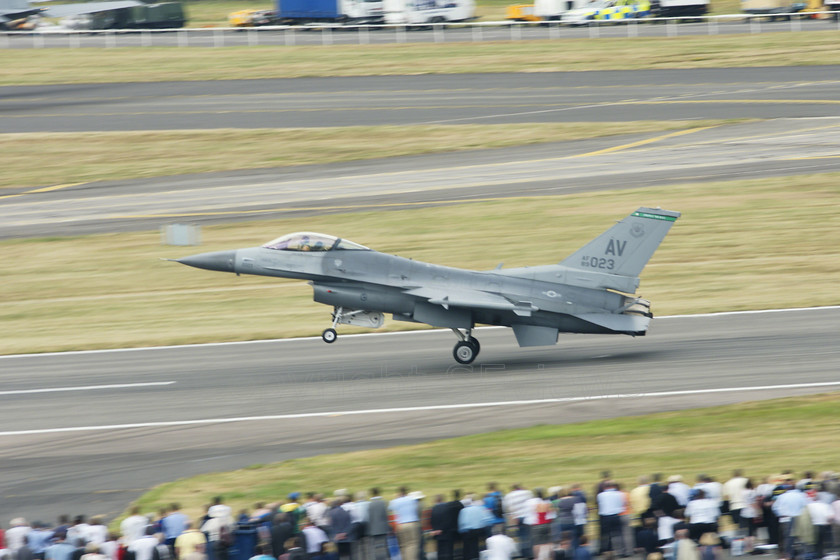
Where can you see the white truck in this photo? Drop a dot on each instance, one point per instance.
(679, 8)
(428, 11)
(554, 10)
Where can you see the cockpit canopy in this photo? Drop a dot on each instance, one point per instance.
(309, 241)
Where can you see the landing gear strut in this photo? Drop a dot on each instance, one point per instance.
(330, 335)
(467, 348)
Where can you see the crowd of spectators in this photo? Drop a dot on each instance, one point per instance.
(792, 518)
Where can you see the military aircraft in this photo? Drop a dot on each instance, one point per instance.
(14, 13)
(588, 292)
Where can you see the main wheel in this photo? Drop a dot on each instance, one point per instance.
(465, 352)
(329, 336)
(474, 342)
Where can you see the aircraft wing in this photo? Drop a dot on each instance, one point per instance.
(470, 299)
(64, 10)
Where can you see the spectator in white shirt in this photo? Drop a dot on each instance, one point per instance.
(133, 527)
(514, 504)
(16, 535)
(611, 504)
(679, 489)
(821, 517)
(500, 546)
(702, 513)
(733, 494)
(144, 547)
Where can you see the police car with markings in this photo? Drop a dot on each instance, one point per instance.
(607, 10)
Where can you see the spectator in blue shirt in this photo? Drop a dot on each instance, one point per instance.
(582, 552)
(173, 524)
(60, 549)
(473, 522)
(38, 539)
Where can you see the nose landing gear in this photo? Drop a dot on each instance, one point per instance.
(329, 335)
(467, 348)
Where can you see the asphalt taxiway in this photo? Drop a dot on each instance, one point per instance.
(605, 96)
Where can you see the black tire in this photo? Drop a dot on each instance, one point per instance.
(329, 335)
(464, 353)
(474, 342)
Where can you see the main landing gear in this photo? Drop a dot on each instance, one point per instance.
(467, 348)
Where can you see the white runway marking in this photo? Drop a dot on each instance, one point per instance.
(86, 388)
(417, 408)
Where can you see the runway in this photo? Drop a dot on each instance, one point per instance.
(87, 432)
(606, 96)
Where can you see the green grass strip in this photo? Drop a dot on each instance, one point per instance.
(711, 440)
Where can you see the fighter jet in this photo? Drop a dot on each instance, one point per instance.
(589, 292)
(14, 13)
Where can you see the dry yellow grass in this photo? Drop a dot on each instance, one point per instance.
(39, 159)
(54, 66)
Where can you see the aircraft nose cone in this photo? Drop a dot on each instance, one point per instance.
(223, 261)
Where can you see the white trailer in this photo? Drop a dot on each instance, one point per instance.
(679, 8)
(553, 10)
(428, 11)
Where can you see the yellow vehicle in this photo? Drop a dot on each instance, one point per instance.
(521, 12)
(250, 18)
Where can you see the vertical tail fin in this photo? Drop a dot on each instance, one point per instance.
(624, 249)
(613, 260)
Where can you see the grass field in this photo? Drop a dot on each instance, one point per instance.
(54, 66)
(100, 156)
(739, 245)
(712, 441)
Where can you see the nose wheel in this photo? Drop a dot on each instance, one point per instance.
(467, 348)
(329, 335)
